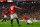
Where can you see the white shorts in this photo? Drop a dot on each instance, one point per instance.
(13, 16)
(5, 16)
(29, 21)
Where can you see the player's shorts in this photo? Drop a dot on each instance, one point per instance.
(5, 16)
(29, 21)
(13, 16)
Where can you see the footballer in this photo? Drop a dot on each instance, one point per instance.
(27, 19)
(5, 15)
(13, 14)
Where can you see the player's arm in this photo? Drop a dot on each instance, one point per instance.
(18, 7)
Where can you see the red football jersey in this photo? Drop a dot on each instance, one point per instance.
(25, 17)
(12, 9)
(5, 12)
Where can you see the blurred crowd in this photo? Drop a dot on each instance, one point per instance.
(31, 9)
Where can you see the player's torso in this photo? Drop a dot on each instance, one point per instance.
(26, 17)
(5, 12)
(12, 10)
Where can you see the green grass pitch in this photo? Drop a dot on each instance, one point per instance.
(23, 24)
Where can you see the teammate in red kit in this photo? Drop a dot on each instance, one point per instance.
(13, 14)
(27, 19)
(5, 15)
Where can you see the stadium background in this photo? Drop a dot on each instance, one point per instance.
(32, 9)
